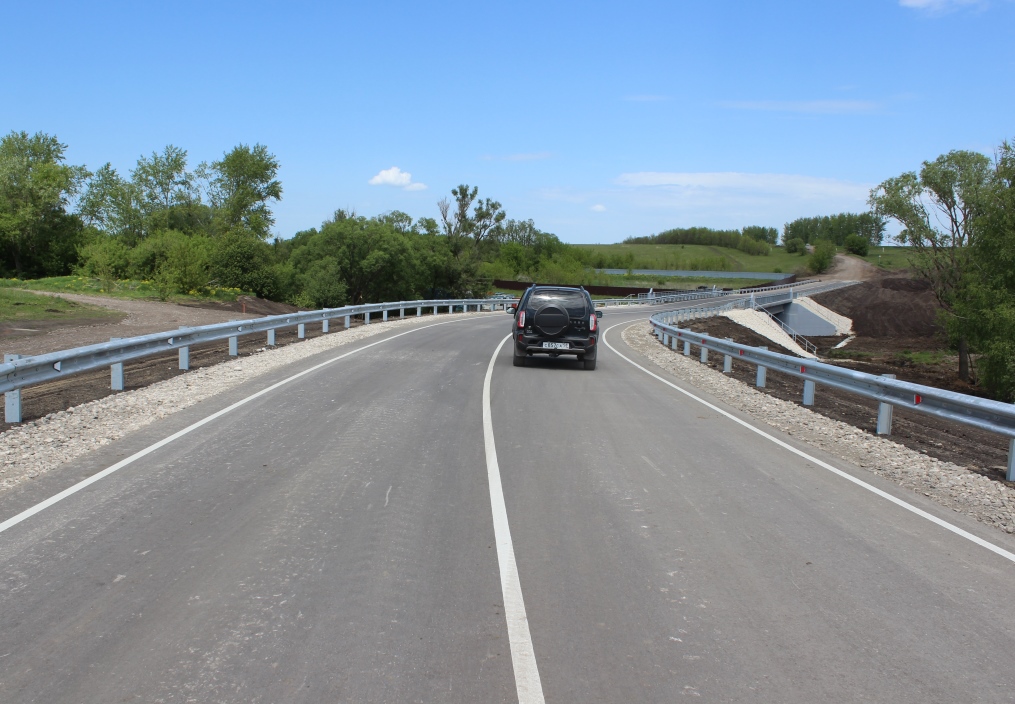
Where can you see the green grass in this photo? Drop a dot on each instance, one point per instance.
(16, 305)
(143, 290)
(923, 357)
(891, 258)
(696, 257)
(846, 353)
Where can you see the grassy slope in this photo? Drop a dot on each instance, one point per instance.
(16, 305)
(144, 290)
(891, 258)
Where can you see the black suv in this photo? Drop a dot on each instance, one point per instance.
(556, 320)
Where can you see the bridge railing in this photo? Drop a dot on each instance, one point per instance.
(985, 414)
(19, 372)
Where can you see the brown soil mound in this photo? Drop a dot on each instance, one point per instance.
(886, 307)
(246, 304)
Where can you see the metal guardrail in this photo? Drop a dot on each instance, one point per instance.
(693, 295)
(992, 416)
(754, 301)
(17, 372)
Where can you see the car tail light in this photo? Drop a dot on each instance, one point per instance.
(521, 319)
(592, 323)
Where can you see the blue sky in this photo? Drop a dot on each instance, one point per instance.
(597, 120)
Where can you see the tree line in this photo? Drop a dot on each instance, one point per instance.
(187, 229)
(757, 240)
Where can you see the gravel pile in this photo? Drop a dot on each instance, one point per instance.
(948, 484)
(34, 448)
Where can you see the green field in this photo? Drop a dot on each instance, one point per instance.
(16, 305)
(143, 290)
(890, 258)
(695, 257)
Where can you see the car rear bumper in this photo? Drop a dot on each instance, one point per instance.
(528, 345)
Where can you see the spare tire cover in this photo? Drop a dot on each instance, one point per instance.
(551, 319)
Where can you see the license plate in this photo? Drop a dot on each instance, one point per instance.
(556, 346)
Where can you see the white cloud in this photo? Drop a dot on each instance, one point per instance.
(598, 208)
(396, 177)
(940, 7)
(731, 184)
(819, 107)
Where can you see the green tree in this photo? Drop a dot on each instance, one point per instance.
(986, 308)
(464, 229)
(937, 209)
(762, 234)
(35, 186)
(111, 204)
(241, 188)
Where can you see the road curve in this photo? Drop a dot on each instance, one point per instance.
(333, 540)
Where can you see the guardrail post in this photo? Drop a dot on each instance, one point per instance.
(419, 311)
(704, 354)
(762, 376)
(366, 318)
(234, 348)
(184, 358)
(1011, 460)
(385, 318)
(673, 343)
(116, 372)
(401, 312)
(325, 327)
(687, 348)
(435, 310)
(301, 331)
(885, 413)
(12, 399)
(727, 364)
(348, 322)
(808, 392)
(271, 337)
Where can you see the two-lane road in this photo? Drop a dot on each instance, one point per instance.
(333, 540)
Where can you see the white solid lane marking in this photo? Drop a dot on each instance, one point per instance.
(859, 482)
(523, 656)
(41, 506)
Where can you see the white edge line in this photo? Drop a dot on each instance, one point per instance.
(859, 482)
(43, 505)
(523, 656)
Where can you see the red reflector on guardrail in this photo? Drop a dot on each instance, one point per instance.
(917, 400)
(741, 353)
(803, 370)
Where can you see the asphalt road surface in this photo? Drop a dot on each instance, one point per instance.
(336, 540)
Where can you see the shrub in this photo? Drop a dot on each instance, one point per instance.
(795, 245)
(822, 257)
(106, 258)
(855, 244)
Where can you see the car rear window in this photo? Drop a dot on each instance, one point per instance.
(572, 301)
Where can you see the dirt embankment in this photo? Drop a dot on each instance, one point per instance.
(137, 318)
(887, 307)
